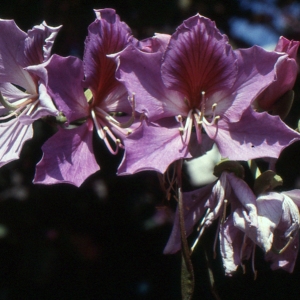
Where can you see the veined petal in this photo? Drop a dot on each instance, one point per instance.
(144, 148)
(286, 237)
(68, 157)
(286, 73)
(106, 35)
(270, 211)
(36, 48)
(140, 73)
(294, 195)
(245, 196)
(231, 244)
(13, 136)
(64, 87)
(10, 71)
(257, 69)
(11, 94)
(198, 58)
(45, 107)
(255, 135)
(117, 101)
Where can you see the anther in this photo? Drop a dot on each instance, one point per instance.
(179, 118)
(216, 119)
(214, 106)
(181, 130)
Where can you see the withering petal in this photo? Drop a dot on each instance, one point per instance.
(194, 208)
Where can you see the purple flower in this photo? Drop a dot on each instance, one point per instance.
(68, 155)
(278, 227)
(285, 77)
(199, 83)
(23, 98)
(204, 205)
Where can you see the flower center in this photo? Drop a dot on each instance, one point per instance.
(197, 118)
(106, 123)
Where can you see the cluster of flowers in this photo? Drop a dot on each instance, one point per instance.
(163, 99)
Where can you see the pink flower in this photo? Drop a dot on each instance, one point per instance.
(199, 83)
(69, 155)
(23, 97)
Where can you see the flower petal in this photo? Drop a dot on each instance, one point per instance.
(68, 157)
(36, 48)
(10, 71)
(231, 244)
(106, 35)
(64, 86)
(194, 208)
(198, 58)
(140, 73)
(153, 147)
(256, 71)
(13, 136)
(255, 135)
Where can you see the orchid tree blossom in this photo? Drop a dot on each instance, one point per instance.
(211, 202)
(278, 97)
(23, 97)
(278, 227)
(98, 107)
(199, 83)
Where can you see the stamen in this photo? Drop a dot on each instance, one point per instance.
(201, 229)
(103, 131)
(18, 107)
(216, 238)
(198, 126)
(224, 210)
(185, 130)
(7, 104)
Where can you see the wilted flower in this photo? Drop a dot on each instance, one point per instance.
(278, 227)
(23, 98)
(278, 97)
(204, 205)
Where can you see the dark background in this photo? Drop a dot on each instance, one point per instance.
(105, 240)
